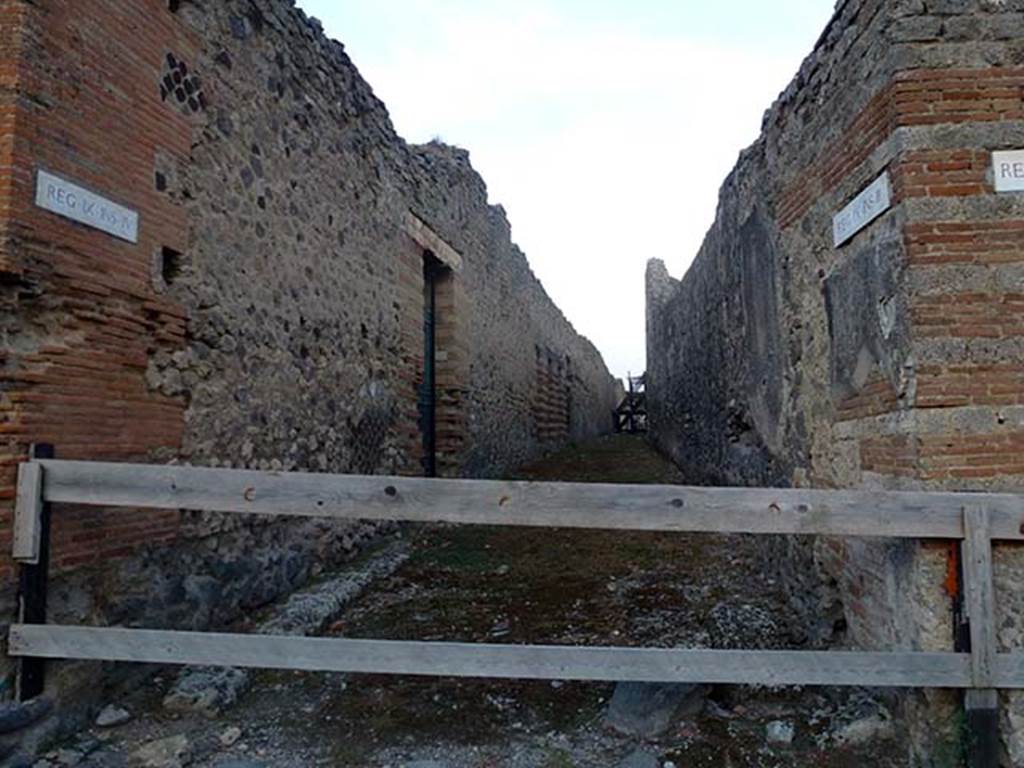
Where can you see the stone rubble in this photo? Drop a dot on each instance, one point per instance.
(212, 690)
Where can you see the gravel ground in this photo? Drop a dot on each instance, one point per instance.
(503, 585)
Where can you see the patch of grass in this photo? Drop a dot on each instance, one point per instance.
(457, 549)
(558, 758)
(615, 459)
(952, 750)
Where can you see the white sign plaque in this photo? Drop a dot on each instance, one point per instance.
(1008, 168)
(862, 210)
(73, 202)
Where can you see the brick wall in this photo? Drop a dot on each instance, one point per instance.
(551, 399)
(80, 311)
(891, 361)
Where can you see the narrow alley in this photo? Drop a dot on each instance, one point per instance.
(496, 585)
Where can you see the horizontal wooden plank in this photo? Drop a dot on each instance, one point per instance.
(28, 509)
(930, 670)
(1009, 670)
(565, 505)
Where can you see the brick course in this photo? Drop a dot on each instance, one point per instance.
(933, 243)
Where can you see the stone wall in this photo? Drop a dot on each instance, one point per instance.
(271, 314)
(893, 360)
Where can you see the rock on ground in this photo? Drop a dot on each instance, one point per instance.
(779, 732)
(647, 709)
(640, 759)
(207, 691)
(111, 716)
(875, 727)
(171, 752)
(230, 736)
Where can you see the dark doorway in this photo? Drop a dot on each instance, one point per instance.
(432, 271)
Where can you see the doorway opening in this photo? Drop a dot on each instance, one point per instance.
(435, 273)
(435, 346)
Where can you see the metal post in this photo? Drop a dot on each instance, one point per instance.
(981, 708)
(33, 581)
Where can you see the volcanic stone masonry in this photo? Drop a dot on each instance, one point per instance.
(269, 308)
(894, 359)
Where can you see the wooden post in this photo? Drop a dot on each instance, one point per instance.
(981, 703)
(28, 508)
(34, 576)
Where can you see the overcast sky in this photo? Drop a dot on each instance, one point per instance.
(604, 127)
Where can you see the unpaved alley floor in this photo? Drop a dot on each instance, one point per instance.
(524, 586)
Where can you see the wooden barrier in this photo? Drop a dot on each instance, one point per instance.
(975, 518)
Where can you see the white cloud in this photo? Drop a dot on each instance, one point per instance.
(605, 143)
